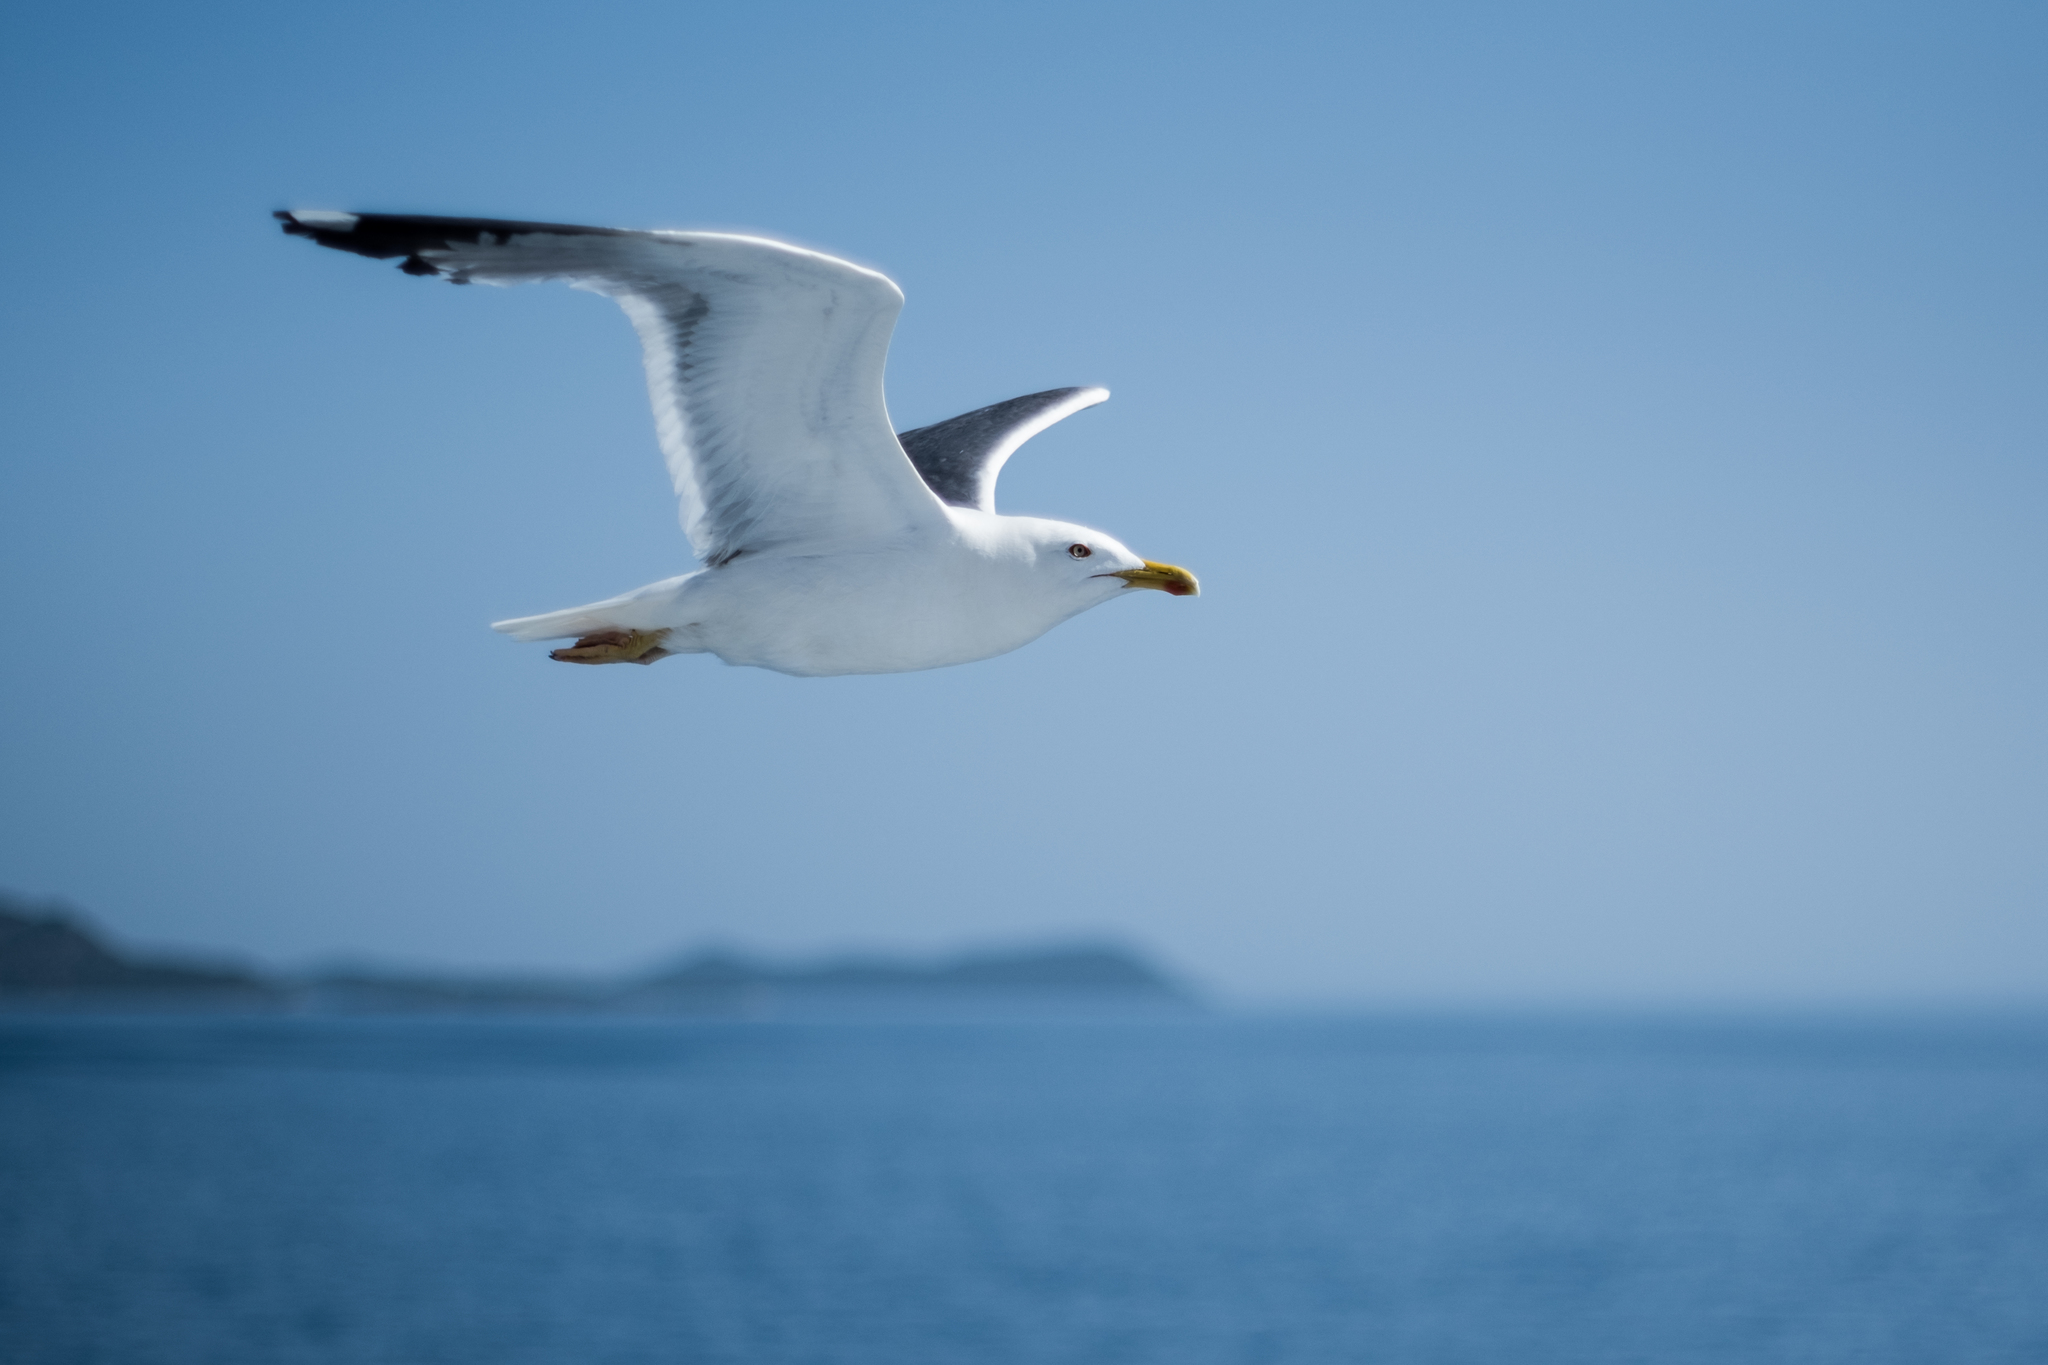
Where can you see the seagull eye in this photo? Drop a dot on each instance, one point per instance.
(1079, 551)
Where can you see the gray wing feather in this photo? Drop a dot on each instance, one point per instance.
(960, 457)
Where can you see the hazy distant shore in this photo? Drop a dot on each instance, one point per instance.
(50, 958)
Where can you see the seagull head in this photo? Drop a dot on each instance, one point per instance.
(1100, 566)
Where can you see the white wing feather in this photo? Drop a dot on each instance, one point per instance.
(764, 366)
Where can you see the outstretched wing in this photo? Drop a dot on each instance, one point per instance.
(764, 364)
(961, 456)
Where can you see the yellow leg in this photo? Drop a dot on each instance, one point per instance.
(615, 647)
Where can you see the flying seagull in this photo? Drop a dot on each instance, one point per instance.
(830, 544)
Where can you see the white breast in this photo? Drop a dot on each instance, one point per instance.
(943, 600)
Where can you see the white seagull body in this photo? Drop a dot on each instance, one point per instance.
(830, 545)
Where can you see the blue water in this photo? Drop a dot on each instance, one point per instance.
(1500, 1192)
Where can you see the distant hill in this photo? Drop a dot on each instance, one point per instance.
(47, 951)
(1059, 975)
(49, 955)
(723, 983)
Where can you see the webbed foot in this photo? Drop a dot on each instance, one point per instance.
(615, 647)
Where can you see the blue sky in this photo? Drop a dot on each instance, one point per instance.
(1611, 439)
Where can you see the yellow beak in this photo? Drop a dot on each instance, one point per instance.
(1165, 577)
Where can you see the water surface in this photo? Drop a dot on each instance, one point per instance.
(1199, 1192)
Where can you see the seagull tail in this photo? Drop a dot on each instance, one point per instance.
(556, 625)
(648, 608)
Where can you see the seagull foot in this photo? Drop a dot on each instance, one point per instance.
(615, 647)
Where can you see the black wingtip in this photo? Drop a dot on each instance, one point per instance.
(378, 236)
(403, 237)
(338, 230)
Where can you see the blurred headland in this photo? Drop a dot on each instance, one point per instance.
(49, 953)
(51, 957)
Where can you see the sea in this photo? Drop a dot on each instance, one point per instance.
(1202, 1190)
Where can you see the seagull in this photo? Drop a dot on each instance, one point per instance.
(830, 543)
